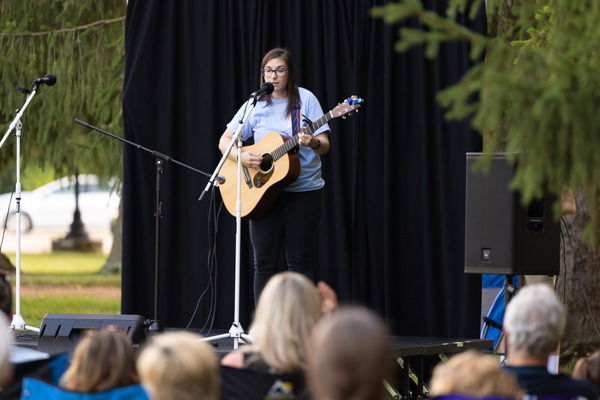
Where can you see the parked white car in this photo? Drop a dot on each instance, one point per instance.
(52, 206)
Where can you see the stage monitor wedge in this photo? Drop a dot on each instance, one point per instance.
(60, 333)
(501, 236)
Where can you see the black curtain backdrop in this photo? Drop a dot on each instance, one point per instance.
(392, 235)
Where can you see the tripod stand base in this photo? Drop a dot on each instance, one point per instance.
(155, 326)
(236, 332)
(18, 324)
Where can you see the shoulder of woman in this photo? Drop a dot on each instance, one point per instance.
(234, 359)
(305, 92)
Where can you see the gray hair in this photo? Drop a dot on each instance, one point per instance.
(534, 320)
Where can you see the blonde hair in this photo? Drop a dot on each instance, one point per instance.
(475, 375)
(103, 360)
(349, 356)
(288, 309)
(177, 366)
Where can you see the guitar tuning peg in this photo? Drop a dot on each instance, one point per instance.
(344, 117)
(356, 111)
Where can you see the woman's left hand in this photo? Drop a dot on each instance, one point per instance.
(306, 140)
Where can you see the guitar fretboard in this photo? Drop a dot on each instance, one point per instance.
(290, 144)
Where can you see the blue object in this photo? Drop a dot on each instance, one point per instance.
(496, 311)
(58, 365)
(38, 390)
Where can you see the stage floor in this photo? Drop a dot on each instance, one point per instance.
(30, 339)
(401, 346)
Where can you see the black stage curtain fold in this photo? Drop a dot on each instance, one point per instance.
(392, 235)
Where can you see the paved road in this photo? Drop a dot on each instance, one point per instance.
(40, 241)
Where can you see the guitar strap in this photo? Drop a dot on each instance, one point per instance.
(295, 126)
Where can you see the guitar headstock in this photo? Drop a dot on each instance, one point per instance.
(347, 107)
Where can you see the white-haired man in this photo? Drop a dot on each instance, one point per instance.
(533, 324)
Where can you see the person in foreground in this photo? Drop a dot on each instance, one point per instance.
(6, 342)
(589, 369)
(177, 366)
(103, 360)
(294, 217)
(533, 324)
(288, 309)
(6, 296)
(472, 375)
(348, 357)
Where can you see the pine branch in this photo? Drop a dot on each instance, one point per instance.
(66, 30)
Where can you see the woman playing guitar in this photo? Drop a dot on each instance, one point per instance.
(294, 216)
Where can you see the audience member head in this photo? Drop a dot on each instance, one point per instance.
(288, 309)
(177, 366)
(589, 369)
(6, 342)
(348, 358)
(534, 322)
(5, 294)
(474, 375)
(103, 360)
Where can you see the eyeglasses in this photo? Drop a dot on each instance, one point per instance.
(279, 71)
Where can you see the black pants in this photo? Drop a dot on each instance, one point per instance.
(292, 220)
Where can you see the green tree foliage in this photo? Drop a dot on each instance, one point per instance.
(537, 92)
(82, 43)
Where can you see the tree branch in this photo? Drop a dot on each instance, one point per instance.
(77, 28)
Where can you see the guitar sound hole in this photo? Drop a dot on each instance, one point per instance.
(267, 163)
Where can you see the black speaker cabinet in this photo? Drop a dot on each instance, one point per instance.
(501, 236)
(60, 333)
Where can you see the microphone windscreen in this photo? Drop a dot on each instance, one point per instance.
(51, 79)
(269, 87)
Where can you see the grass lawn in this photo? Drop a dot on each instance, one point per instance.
(65, 269)
(61, 262)
(33, 310)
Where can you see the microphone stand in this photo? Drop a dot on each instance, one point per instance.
(154, 324)
(18, 323)
(236, 331)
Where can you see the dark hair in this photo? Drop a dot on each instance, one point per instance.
(293, 97)
(5, 294)
(589, 369)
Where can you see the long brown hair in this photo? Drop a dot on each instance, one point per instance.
(293, 97)
(102, 361)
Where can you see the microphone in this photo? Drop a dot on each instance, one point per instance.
(267, 88)
(48, 79)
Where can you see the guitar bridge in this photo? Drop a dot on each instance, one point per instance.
(246, 175)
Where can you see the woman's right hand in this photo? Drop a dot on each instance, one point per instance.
(251, 159)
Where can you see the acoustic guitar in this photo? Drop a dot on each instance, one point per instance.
(280, 167)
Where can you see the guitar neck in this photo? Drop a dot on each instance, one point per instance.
(290, 144)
